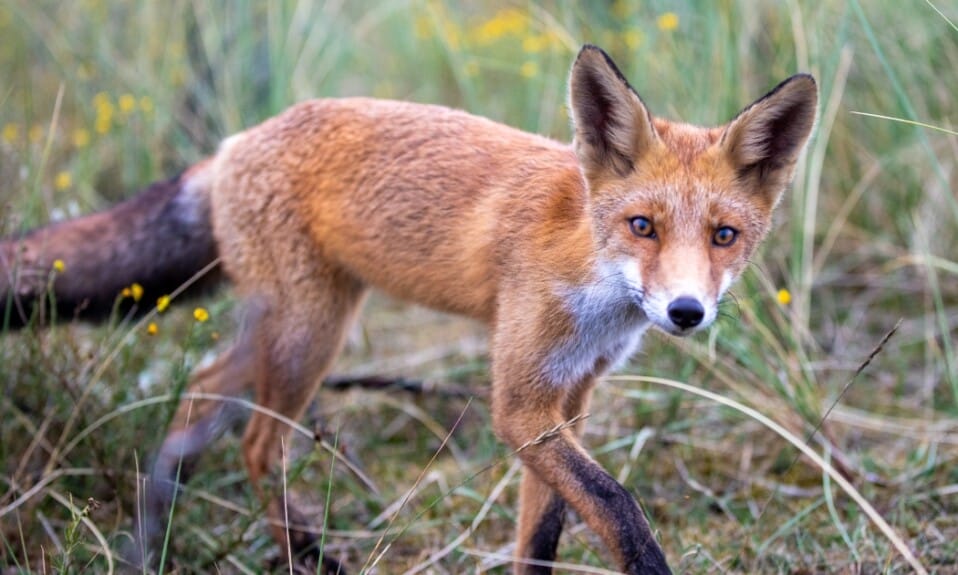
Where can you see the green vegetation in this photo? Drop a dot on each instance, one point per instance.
(99, 98)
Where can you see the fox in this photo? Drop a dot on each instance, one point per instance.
(567, 252)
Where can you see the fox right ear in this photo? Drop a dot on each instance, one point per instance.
(612, 125)
(765, 140)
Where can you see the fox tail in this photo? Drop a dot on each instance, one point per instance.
(159, 239)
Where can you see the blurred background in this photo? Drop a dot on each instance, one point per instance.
(98, 98)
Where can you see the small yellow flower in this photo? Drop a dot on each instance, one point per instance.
(146, 104)
(152, 329)
(784, 296)
(668, 21)
(529, 69)
(200, 314)
(136, 291)
(104, 113)
(127, 103)
(423, 27)
(125, 292)
(101, 99)
(534, 44)
(63, 181)
(11, 133)
(162, 303)
(59, 266)
(632, 38)
(81, 138)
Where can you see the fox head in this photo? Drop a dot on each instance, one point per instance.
(679, 209)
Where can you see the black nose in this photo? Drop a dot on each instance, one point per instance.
(686, 312)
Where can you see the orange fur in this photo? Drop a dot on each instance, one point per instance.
(535, 238)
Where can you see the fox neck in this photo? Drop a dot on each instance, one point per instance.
(606, 324)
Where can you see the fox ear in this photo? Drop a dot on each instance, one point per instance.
(612, 125)
(766, 138)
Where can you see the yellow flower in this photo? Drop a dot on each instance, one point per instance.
(127, 103)
(622, 9)
(104, 113)
(11, 133)
(784, 296)
(423, 27)
(63, 181)
(668, 21)
(125, 292)
(534, 44)
(162, 303)
(136, 291)
(200, 314)
(59, 266)
(152, 329)
(529, 69)
(146, 104)
(632, 38)
(81, 138)
(506, 22)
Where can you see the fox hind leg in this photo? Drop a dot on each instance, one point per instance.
(296, 343)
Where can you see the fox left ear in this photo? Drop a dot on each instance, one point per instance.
(765, 140)
(613, 128)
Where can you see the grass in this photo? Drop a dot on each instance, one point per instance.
(100, 98)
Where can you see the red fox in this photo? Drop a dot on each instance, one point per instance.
(569, 253)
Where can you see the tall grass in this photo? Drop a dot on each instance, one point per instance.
(99, 98)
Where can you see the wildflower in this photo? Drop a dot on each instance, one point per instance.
(784, 296)
(201, 315)
(509, 21)
(127, 103)
(81, 138)
(622, 9)
(152, 329)
(423, 27)
(146, 104)
(125, 292)
(162, 303)
(529, 69)
(668, 21)
(632, 38)
(104, 113)
(136, 291)
(59, 266)
(63, 181)
(11, 133)
(534, 44)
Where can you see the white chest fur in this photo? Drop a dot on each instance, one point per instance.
(608, 326)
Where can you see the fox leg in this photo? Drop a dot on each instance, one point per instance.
(526, 405)
(542, 510)
(297, 342)
(195, 425)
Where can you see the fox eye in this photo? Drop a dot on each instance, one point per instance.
(642, 227)
(724, 236)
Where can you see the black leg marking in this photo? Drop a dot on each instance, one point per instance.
(543, 545)
(639, 550)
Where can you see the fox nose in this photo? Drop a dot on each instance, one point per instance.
(686, 312)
